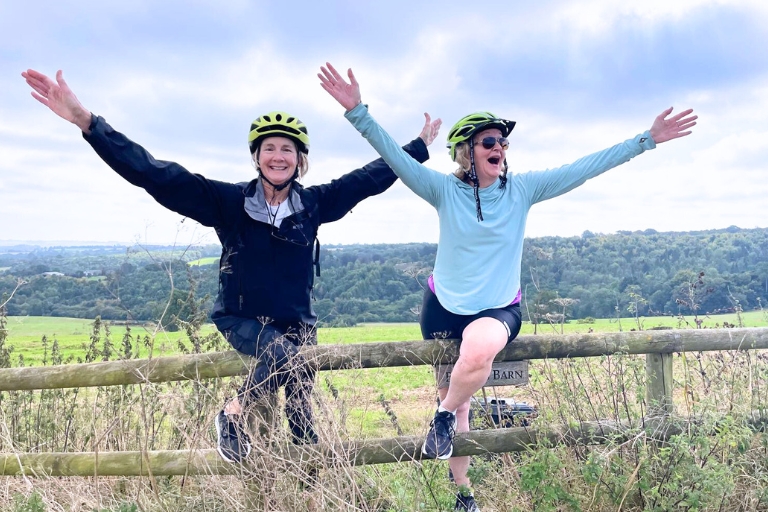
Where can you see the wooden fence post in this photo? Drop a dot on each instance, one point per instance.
(658, 384)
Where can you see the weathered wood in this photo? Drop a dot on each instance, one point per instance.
(372, 451)
(134, 371)
(357, 452)
(503, 373)
(371, 355)
(659, 384)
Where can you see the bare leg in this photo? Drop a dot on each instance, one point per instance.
(480, 342)
(459, 465)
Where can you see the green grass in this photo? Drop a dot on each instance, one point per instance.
(748, 319)
(365, 333)
(25, 334)
(73, 334)
(204, 261)
(565, 390)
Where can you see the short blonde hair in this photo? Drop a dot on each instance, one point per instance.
(462, 158)
(303, 164)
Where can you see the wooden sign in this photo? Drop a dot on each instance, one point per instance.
(511, 373)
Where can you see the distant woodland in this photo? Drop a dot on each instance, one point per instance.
(592, 275)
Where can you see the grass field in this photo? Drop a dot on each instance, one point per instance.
(204, 261)
(724, 471)
(406, 387)
(25, 333)
(25, 336)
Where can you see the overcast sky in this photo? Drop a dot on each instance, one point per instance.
(185, 79)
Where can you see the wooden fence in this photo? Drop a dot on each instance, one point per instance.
(659, 346)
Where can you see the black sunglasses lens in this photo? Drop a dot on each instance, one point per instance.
(489, 142)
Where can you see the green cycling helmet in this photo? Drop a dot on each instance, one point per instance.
(278, 124)
(468, 125)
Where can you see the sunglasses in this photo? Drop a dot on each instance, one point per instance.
(291, 232)
(489, 142)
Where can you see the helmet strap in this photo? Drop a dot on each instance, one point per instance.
(283, 185)
(473, 178)
(503, 177)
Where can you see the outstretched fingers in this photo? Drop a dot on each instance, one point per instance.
(40, 84)
(352, 79)
(58, 97)
(330, 77)
(431, 129)
(347, 94)
(683, 121)
(667, 128)
(681, 115)
(335, 74)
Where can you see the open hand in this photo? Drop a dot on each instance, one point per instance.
(664, 129)
(347, 94)
(58, 97)
(431, 129)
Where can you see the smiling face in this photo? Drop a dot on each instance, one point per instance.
(277, 159)
(488, 162)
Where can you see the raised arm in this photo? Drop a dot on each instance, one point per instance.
(347, 94)
(168, 183)
(58, 97)
(677, 126)
(544, 185)
(339, 196)
(422, 180)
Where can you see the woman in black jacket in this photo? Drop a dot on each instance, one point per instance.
(268, 232)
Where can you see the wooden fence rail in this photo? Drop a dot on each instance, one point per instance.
(375, 355)
(657, 345)
(359, 452)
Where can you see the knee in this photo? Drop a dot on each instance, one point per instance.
(262, 378)
(279, 353)
(475, 361)
(478, 352)
(261, 374)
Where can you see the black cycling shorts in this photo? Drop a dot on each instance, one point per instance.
(437, 322)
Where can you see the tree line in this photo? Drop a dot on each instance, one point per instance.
(593, 275)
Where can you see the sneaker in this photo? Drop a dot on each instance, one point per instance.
(465, 503)
(439, 442)
(233, 442)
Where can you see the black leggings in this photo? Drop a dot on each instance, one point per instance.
(276, 346)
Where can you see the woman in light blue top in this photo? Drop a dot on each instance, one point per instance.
(482, 214)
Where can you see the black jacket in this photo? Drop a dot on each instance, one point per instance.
(264, 271)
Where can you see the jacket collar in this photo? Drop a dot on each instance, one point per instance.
(256, 202)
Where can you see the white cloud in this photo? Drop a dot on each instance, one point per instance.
(186, 79)
(747, 148)
(593, 16)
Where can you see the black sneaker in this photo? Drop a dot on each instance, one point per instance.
(233, 442)
(439, 441)
(465, 504)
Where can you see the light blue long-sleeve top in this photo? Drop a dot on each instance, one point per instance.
(478, 263)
